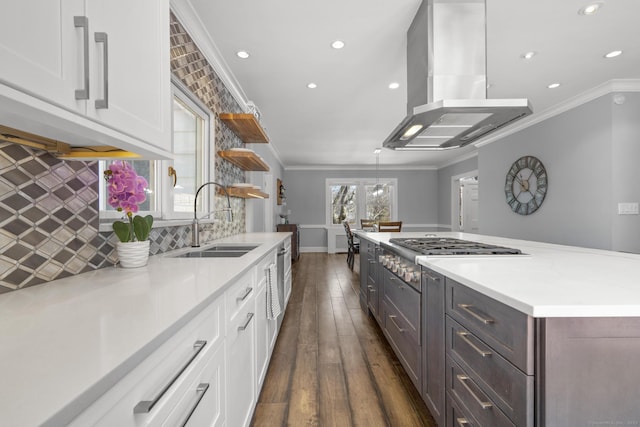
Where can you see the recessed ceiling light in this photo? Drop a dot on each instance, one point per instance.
(394, 85)
(590, 9)
(528, 55)
(338, 44)
(613, 54)
(312, 85)
(553, 85)
(242, 54)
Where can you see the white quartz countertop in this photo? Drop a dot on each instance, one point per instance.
(550, 281)
(64, 343)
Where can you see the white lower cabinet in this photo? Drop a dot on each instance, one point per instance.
(266, 328)
(209, 373)
(241, 366)
(154, 389)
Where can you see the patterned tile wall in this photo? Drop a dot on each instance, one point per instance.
(49, 207)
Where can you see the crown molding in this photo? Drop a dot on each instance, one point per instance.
(611, 86)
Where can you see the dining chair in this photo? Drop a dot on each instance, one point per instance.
(389, 226)
(353, 248)
(367, 223)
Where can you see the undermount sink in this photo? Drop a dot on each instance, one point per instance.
(219, 251)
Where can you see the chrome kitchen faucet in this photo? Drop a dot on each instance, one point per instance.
(195, 230)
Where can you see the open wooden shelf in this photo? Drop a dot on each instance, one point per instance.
(247, 193)
(246, 126)
(245, 160)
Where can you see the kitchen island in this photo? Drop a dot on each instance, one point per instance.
(547, 338)
(71, 342)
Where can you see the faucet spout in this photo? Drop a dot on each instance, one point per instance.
(195, 230)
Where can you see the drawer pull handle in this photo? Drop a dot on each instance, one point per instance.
(246, 324)
(201, 390)
(372, 262)
(246, 294)
(463, 336)
(145, 406)
(462, 422)
(467, 308)
(393, 320)
(463, 380)
(371, 289)
(430, 277)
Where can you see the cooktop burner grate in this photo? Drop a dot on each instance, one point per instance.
(449, 246)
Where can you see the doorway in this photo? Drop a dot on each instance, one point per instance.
(464, 203)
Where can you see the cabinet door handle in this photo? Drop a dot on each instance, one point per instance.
(200, 390)
(463, 380)
(245, 295)
(462, 422)
(104, 102)
(430, 277)
(145, 406)
(393, 320)
(371, 289)
(463, 337)
(467, 308)
(83, 22)
(246, 324)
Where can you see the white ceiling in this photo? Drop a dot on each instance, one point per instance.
(352, 110)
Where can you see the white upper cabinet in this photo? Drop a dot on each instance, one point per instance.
(88, 72)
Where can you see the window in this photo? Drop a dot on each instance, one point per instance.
(191, 130)
(353, 200)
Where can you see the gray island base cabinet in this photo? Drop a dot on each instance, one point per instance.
(589, 372)
(485, 363)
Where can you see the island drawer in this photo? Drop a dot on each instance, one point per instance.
(406, 300)
(404, 344)
(462, 387)
(510, 389)
(507, 330)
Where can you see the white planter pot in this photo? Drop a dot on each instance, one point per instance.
(133, 254)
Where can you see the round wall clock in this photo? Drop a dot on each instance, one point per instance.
(526, 185)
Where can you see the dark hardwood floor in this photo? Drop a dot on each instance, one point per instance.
(331, 365)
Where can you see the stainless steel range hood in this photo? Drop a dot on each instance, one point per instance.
(447, 105)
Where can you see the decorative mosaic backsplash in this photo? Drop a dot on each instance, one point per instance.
(49, 207)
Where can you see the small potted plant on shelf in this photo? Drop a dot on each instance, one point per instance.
(127, 190)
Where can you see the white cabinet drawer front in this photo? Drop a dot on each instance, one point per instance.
(158, 377)
(203, 398)
(241, 293)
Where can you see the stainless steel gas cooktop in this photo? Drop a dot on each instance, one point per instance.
(449, 246)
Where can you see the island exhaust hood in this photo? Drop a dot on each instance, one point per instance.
(447, 105)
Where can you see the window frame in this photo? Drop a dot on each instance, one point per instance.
(163, 182)
(361, 184)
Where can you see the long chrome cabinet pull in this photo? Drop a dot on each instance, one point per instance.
(462, 422)
(83, 22)
(243, 327)
(201, 390)
(104, 102)
(145, 406)
(393, 320)
(463, 380)
(463, 337)
(246, 294)
(467, 308)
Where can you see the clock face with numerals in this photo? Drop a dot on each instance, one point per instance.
(526, 185)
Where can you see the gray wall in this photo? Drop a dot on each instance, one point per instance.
(257, 207)
(417, 198)
(589, 153)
